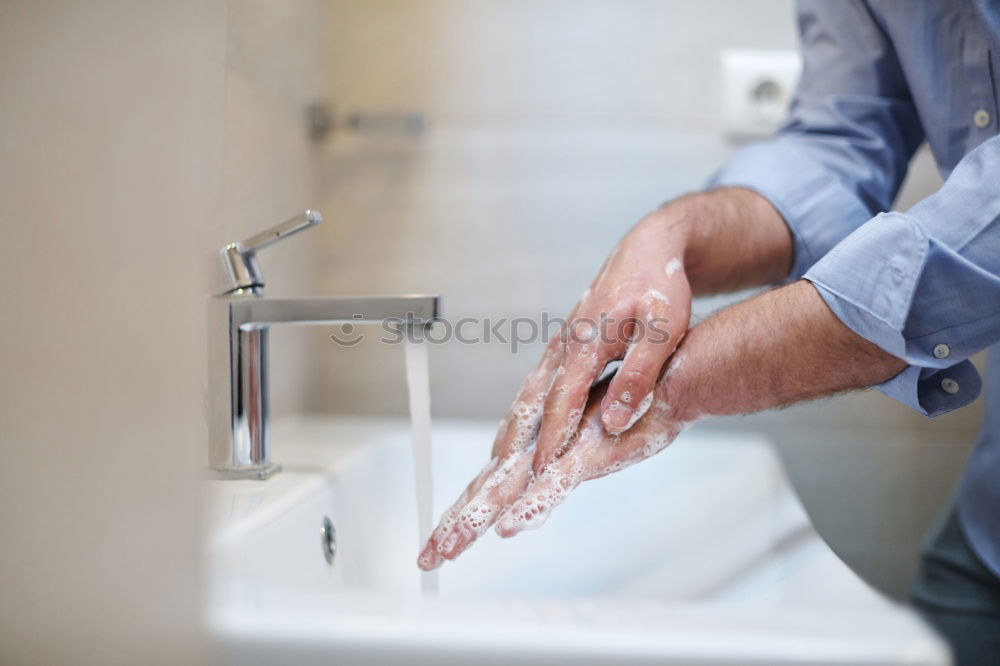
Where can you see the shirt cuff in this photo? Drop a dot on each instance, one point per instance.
(870, 281)
(818, 208)
(929, 391)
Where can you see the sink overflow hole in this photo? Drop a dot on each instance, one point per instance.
(328, 540)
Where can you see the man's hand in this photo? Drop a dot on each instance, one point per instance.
(590, 454)
(778, 348)
(507, 493)
(636, 311)
(639, 307)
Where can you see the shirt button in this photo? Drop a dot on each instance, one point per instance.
(949, 385)
(941, 350)
(981, 118)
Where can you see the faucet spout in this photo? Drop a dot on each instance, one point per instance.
(238, 321)
(410, 309)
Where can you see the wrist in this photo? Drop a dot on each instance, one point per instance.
(730, 238)
(677, 387)
(697, 221)
(676, 220)
(668, 228)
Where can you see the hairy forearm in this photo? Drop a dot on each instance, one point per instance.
(778, 348)
(732, 238)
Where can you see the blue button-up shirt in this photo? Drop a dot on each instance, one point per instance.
(879, 78)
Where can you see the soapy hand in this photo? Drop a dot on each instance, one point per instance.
(508, 493)
(636, 311)
(558, 432)
(562, 430)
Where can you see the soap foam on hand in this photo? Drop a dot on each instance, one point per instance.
(640, 410)
(496, 486)
(506, 492)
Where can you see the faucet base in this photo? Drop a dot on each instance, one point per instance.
(253, 473)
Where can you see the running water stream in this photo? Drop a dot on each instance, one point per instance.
(418, 386)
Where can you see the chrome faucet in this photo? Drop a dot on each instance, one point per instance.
(238, 322)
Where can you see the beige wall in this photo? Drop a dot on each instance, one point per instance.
(553, 126)
(138, 137)
(135, 138)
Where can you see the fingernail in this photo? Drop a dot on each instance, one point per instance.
(429, 558)
(616, 418)
(506, 527)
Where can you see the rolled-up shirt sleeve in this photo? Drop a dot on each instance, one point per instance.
(851, 132)
(924, 285)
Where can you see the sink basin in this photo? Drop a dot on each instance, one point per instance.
(701, 555)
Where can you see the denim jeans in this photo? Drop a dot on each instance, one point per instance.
(959, 596)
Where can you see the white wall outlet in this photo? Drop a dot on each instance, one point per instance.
(757, 87)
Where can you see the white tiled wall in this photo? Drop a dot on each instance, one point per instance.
(135, 139)
(553, 126)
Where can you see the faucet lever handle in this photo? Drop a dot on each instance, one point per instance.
(240, 258)
(270, 236)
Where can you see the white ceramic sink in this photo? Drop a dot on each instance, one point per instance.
(702, 555)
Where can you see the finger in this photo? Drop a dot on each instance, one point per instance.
(650, 435)
(429, 557)
(516, 434)
(585, 356)
(592, 454)
(551, 487)
(520, 425)
(631, 391)
(531, 510)
(503, 487)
